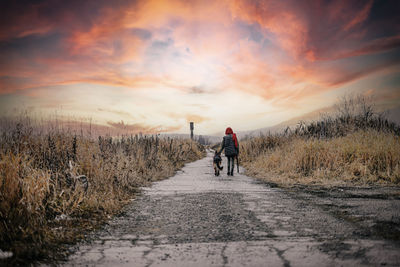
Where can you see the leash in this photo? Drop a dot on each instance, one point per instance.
(237, 162)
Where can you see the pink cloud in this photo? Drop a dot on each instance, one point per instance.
(110, 44)
(360, 16)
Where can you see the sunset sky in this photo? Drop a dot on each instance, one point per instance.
(153, 66)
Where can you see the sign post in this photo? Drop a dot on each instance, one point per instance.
(191, 129)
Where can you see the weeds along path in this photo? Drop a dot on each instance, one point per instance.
(197, 219)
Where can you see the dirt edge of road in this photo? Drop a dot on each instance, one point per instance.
(339, 202)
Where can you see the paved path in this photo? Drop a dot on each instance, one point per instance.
(196, 219)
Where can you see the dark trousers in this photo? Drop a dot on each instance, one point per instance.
(231, 163)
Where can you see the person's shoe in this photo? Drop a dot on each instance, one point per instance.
(228, 173)
(231, 173)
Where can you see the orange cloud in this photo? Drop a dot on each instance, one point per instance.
(282, 51)
(188, 117)
(117, 112)
(196, 118)
(289, 29)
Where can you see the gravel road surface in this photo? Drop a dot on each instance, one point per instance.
(197, 219)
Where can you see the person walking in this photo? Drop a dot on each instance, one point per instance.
(231, 146)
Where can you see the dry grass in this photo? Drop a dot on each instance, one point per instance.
(53, 184)
(360, 158)
(357, 147)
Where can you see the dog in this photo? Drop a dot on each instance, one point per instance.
(217, 163)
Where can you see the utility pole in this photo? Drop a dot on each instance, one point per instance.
(191, 129)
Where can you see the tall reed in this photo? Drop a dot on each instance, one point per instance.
(355, 146)
(52, 181)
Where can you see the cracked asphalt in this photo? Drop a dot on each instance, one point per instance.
(197, 219)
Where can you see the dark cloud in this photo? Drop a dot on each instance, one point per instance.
(357, 73)
(32, 46)
(376, 46)
(337, 27)
(250, 31)
(10, 84)
(24, 17)
(324, 29)
(383, 20)
(196, 90)
(141, 33)
(160, 46)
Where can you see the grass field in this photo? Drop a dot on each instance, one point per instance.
(55, 185)
(354, 147)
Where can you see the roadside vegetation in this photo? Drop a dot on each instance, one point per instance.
(56, 185)
(354, 146)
